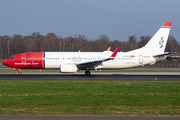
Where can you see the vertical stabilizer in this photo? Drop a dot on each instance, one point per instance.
(157, 43)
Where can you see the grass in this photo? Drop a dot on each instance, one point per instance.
(89, 97)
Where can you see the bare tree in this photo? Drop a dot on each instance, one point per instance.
(143, 41)
(132, 43)
(172, 45)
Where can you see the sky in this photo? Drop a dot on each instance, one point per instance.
(117, 19)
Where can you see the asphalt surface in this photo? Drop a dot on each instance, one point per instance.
(94, 76)
(89, 117)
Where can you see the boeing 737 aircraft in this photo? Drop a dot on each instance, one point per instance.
(68, 62)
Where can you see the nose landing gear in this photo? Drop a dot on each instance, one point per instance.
(88, 73)
(19, 71)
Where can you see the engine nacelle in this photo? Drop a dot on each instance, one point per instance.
(68, 68)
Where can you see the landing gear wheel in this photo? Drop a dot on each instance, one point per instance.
(87, 73)
(19, 73)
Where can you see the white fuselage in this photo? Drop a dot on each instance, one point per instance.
(122, 60)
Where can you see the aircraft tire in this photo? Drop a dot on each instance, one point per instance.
(19, 73)
(88, 73)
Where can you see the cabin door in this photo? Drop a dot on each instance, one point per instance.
(23, 58)
(140, 59)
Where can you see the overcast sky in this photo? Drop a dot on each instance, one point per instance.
(118, 19)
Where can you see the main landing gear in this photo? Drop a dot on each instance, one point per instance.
(88, 73)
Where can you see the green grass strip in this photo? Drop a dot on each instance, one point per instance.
(89, 97)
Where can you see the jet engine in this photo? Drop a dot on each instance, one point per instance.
(68, 68)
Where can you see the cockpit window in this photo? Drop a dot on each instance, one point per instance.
(12, 58)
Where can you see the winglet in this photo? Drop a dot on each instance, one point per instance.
(109, 48)
(115, 53)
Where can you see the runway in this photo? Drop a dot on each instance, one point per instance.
(93, 76)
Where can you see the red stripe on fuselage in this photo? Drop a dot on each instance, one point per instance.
(31, 60)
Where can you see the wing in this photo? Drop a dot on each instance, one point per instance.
(93, 64)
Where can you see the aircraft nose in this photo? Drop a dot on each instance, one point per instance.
(4, 62)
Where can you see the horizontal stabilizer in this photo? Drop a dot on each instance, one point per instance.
(166, 53)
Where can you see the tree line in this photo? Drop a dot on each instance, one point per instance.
(10, 45)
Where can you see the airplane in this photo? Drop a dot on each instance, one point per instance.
(71, 62)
